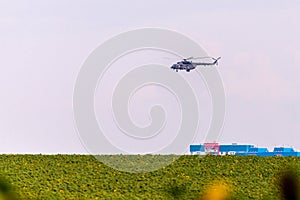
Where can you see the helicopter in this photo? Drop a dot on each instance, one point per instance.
(188, 65)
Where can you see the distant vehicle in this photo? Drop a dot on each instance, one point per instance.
(188, 65)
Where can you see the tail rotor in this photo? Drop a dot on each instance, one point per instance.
(216, 60)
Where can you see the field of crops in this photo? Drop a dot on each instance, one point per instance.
(189, 177)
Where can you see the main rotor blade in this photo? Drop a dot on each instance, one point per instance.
(168, 58)
(202, 57)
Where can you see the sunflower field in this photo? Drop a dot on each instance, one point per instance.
(188, 177)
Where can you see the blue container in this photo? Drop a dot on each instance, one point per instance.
(235, 148)
(283, 149)
(257, 150)
(196, 148)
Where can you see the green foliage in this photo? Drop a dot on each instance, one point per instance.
(83, 177)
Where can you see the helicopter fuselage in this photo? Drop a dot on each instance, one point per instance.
(183, 65)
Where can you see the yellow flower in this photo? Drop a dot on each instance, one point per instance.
(218, 191)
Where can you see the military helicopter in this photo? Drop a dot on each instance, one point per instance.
(188, 65)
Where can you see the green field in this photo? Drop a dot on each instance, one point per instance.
(83, 177)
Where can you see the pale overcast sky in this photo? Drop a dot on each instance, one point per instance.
(44, 43)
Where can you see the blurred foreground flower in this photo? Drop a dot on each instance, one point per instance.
(289, 185)
(6, 192)
(218, 191)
